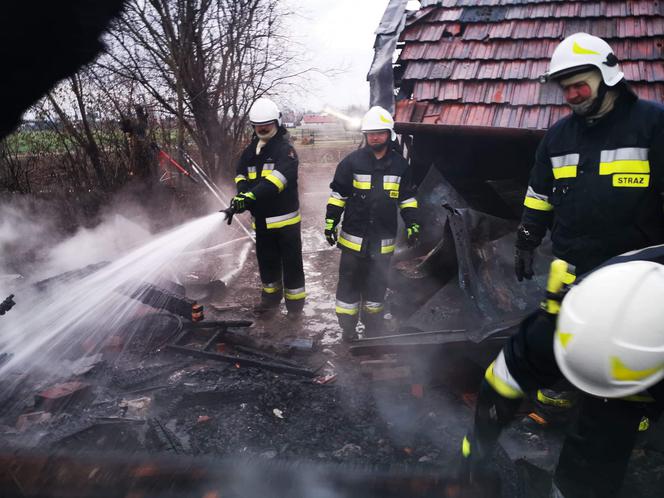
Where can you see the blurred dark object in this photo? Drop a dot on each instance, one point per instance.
(143, 161)
(44, 42)
(63, 476)
(7, 304)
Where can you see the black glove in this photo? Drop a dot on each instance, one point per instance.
(528, 237)
(523, 263)
(413, 232)
(229, 212)
(331, 231)
(243, 201)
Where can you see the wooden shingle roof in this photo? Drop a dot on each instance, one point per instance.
(476, 62)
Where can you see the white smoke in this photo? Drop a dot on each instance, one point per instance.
(105, 242)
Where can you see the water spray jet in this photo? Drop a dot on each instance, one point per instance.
(54, 325)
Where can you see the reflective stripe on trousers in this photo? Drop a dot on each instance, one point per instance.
(295, 294)
(272, 288)
(372, 307)
(343, 308)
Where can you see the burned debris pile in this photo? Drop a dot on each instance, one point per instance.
(162, 385)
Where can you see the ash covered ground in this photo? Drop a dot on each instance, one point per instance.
(138, 397)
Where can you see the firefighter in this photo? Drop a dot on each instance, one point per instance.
(606, 338)
(267, 187)
(369, 185)
(597, 178)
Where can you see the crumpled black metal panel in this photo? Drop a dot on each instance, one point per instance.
(485, 297)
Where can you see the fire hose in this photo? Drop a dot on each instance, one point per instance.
(229, 212)
(7, 304)
(164, 156)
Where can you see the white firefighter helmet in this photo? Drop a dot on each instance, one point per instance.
(609, 339)
(378, 119)
(579, 50)
(264, 111)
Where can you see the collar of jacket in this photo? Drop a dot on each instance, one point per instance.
(626, 98)
(373, 158)
(281, 132)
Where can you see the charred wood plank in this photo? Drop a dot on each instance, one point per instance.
(425, 341)
(212, 340)
(219, 323)
(233, 337)
(160, 299)
(267, 356)
(165, 439)
(242, 361)
(70, 276)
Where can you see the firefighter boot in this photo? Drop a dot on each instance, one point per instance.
(372, 318)
(270, 298)
(373, 324)
(348, 324)
(295, 301)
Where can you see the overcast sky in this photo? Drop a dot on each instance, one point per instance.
(337, 34)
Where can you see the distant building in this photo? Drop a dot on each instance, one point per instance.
(319, 119)
(35, 125)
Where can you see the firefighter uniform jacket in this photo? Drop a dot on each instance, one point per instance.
(368, 191)
(597, 186)
(595, 454)
(272, 177)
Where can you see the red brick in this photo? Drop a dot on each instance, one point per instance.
(27, 419)
(58, 396)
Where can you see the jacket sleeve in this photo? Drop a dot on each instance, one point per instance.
(407, 202)
(241, 173)
(342, 188)
(284, 172)
(656, 158)
(538, 210)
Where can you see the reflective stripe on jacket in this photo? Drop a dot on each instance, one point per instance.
(368, 192)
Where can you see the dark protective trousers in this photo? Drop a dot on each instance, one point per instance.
(597, 448)
(595, 454)
(279, 253)
(361, 291)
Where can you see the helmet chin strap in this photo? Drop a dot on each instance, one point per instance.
(591, 106)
